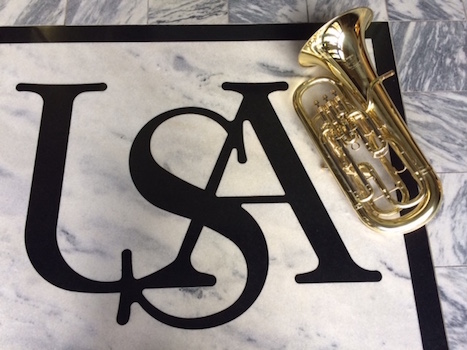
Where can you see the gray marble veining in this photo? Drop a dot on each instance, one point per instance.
(102, 213)
(431, 56)
(453, 284)
(94, 12)
(188, 12)
(32, 12)
(426, 10)
(276, 11)
(438, 121)
(324, 10)
(448, 231)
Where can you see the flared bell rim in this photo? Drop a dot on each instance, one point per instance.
(307, 55)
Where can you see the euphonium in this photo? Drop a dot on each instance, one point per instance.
(358, 129)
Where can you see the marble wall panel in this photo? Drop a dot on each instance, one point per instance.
(431, 56)
(439, 124)
(188, 12)
(276, 11)
(452, 286)
(32, 12)
(448, 230)
(94, 12)
(425, 10)
(323, 10)
(102, 213)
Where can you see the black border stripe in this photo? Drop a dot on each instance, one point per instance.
(417, 245)
(429, 312)
(425, 289)
(162, 33)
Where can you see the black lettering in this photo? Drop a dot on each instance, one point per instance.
(44, 201)
(335, 263)
(224, 215)
(204, 208)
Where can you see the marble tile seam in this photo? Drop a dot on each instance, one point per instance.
(66, 13)
(147, 13)
(307, 15)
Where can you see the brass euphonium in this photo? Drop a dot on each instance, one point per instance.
(358, 129)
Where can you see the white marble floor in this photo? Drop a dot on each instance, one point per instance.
(430, 43)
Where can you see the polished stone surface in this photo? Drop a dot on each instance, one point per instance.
(450, 10)
(188, 12)
(32, 12)
(438, 122)
(276, 11)
(448, 233)
(431, 55)
(323, 10)
(429, 40)
(84, 12)
(453, 284)
(102, 214)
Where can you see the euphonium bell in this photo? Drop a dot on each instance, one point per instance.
(358, 130)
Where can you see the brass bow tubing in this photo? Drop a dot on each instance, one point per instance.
(360, 133)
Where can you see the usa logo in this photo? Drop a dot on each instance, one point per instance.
(166, 191)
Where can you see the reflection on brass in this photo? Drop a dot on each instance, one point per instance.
(358, 130)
